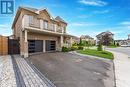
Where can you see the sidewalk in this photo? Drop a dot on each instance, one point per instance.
(122, 69)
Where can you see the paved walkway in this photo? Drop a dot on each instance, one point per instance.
(17, 72)
(7, 76)
(122, 69)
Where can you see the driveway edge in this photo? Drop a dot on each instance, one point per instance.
(90, 56)
(46, 80)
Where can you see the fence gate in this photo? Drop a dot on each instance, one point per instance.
(13, 46)
(3, 45)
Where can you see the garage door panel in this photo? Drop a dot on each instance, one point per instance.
(50, 45)
(35, 46)
(38, 46)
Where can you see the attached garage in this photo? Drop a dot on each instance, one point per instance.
(38, 46)
(35, 46)
(50, 45)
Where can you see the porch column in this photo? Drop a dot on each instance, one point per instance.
(61, 41)
(71, 42)
(21, 44)
(44, 45)
(25, 45)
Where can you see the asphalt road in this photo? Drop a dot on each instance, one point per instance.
(71, 70)
(125, 50)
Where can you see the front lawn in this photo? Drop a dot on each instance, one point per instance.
(113, 46)
(103, 54)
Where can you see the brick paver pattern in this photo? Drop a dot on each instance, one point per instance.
(30, 78)
(7, 76)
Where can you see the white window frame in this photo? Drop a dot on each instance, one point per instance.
(31, 19)
(55, 26)
(45, 23)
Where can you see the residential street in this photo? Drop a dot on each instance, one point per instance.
(122, 63)
(125, 50)
(71, 70)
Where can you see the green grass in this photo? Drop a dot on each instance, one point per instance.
(103, 54)
(113, 46)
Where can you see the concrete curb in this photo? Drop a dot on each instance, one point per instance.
(121, 62)
(74, 52)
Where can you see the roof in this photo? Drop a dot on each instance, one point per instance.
(59, 19)
(29, 8)
(86, 37)
(106, 32)
(36, 11)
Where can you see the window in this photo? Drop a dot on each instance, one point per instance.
(55, 26)
(31, 19)
(45, 23)
(62, 28)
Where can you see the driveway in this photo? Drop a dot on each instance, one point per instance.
(71, 70)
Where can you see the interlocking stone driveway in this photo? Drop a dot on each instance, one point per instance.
(17, 72)
(7, 76)
(71, 70)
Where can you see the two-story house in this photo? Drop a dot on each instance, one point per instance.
(87, 38)
(100, 36)
(38, 31)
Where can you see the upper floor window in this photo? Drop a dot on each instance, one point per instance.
(45, 23)
(31, 19)
(63, 29)
(55, 26)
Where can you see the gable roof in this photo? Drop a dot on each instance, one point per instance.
(36, 11)
(86, 37)
(58, 18)
(29, 8)
(103, 33)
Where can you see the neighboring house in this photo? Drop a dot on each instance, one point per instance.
(124, 42)
(100, 36)
(129, 37)
(87, 38)
(38, 31)
(75, 39)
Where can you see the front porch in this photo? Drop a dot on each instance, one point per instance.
(32, 41)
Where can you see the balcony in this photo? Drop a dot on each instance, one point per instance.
(36, 23)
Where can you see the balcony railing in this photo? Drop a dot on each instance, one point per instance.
(36, 24)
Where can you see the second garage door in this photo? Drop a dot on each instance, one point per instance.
(50, 45)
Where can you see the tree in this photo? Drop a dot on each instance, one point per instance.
(117, 44)
(106, 40)
(114, 43)
(99, 48)
(80, 43)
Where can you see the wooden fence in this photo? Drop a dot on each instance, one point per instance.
(3, 45)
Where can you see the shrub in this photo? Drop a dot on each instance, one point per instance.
(80, 48)
(117, 44)
(74, 48)
(65, 49)
(99, 47)
(74, 44)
